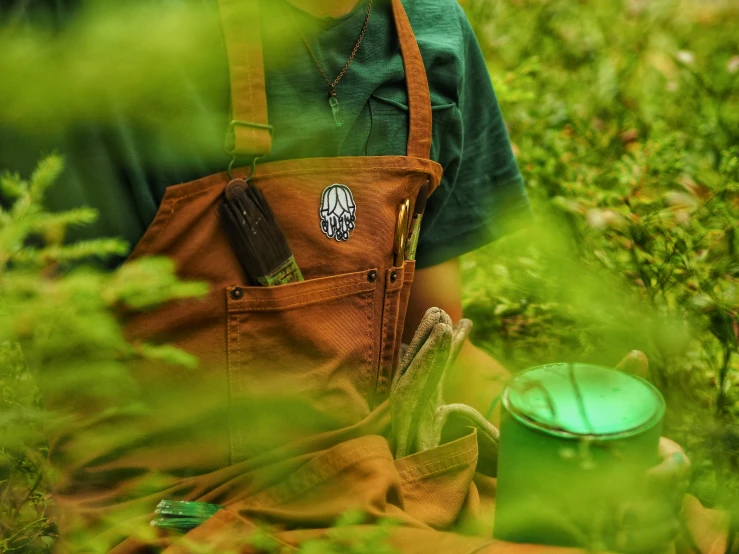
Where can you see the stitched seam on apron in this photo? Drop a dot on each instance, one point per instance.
(425, 473)
(370, 357)
(147, 241)
(235, 388)
(383, 343)
(439, 460)
(236, 519)
(325, 468)
(177, 199)
(421, 477)
(361, 288)
(408, 275)
(161, 217)
(297, 305)
(392, 293)
(250, 88)
(203, 185)
(392, 324)
(240, 377)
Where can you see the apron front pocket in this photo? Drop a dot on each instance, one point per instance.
(398, 281)
(301, 359)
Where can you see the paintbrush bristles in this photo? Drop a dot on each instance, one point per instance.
(255, 235)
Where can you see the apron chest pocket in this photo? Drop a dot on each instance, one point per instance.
(301, 359)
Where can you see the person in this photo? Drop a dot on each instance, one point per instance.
(381, 97)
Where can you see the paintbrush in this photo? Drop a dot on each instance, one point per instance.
(418, 209)
(182, 515)
(256, 237)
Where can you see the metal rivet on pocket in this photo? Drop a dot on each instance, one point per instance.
(237, 293)
(393, 276)
(372, 276)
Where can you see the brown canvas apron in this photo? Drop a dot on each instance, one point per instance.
(319, 354)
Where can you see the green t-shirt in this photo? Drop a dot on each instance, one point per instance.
(123, 165)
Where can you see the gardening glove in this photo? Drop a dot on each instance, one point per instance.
(415, 389)
(653, 525)
(421, 418)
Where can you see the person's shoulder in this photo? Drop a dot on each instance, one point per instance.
(447, 6)
(439, 25)
(436, 16)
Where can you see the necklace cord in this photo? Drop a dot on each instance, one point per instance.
(332, 84)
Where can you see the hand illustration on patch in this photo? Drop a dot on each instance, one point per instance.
(338, 212)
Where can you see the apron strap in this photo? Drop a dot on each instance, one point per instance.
(249, 134)
(419, 97)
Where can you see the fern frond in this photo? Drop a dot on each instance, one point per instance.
(11, 185)
(76, 217)
(46, 173)
(150, 281)
(167, 354)
(83, 250)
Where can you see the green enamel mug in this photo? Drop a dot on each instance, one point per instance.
(575, 443)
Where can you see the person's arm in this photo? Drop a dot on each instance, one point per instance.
(476, 378)
(481, 197)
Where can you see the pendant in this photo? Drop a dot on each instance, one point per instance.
(335, 109)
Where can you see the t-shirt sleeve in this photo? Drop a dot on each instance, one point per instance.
(482, 195)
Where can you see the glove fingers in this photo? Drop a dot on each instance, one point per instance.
(460, 332)
(461, 415)
(413, 394)
(432, 317)
(429, 364)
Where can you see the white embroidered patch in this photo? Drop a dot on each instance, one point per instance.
(338, 212)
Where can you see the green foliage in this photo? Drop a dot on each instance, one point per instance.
(75, 63)
(66, 76)
(625, 119)
(347, 536)
(624, 116)
(58, 320)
